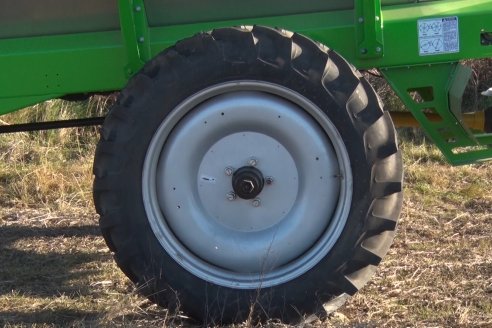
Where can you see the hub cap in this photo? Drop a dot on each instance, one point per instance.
(248, 182)
(235, 230)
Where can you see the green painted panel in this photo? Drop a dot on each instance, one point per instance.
(20, 18)
(62, 64)
(172, 12)
(24, 18)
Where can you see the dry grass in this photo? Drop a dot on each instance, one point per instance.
(56, 270)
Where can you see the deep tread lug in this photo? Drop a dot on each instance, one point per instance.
(348, 285)
(272, 49)
(311, 62)
(237, 45)
(359, 277)
(383, 189)
(377, 225)
(366, 256)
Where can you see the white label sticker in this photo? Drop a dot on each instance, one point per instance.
(438, 36)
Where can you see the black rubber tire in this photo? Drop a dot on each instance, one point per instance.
(279, 57)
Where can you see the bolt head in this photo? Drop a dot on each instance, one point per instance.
(229, 171)
(361, 19)
(231, 196)
(378, 49)
(268, 180)
(256, 202)
(252, 161)
(141, 39)
(138, 8)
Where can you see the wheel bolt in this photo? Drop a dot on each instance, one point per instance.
(268, 180)
(229, 171)
(231, 196)
(256, 202)
(252, 161)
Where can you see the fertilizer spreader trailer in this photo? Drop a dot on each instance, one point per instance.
(247, 167)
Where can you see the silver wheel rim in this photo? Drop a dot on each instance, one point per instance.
(294, 221)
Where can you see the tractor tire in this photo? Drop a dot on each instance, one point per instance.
(248, 173)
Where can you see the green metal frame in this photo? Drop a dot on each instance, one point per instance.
(436, 86)
(369, 28)
(35, 69)
(135, 32)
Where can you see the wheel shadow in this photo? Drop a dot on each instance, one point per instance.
(44, 265)
(51, 272)
(61, 317)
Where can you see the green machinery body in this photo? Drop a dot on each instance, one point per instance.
(53, 48)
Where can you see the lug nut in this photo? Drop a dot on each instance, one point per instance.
(229, 171)
(268, 180)
(231, 196)
(256, 202)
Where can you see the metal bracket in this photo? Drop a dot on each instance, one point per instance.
(135, 33)
(460, 79)
(433, 94)
(369, 28)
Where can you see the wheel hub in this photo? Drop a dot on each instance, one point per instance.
(248, 182)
